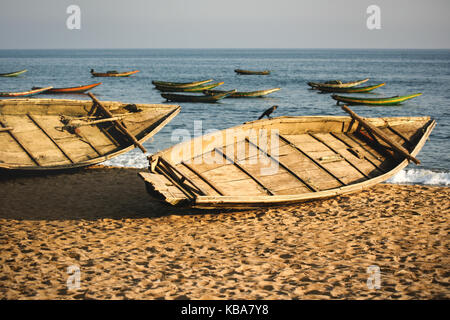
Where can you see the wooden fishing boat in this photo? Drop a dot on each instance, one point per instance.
(389, 101)
(13, 74)
(285, 160)
(180, 84)
(55, 134)
(196, 98)
(250, 72)
(199, 88)
(113, 73)
(28, 93)
(79, 89)
(336, 84)
(351, 89)
(237, 94)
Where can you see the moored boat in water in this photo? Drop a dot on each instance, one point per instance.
(28, 93)
(387, 101)
(79, 89)
(113, 73)
(336, 84)
(285, 160)
(241, 94)
(196, 98)
(13, 74)
(351, 89)
(198, 88)
(251, 72)
(180, 84)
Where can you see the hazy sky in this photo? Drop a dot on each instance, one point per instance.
(224, 24)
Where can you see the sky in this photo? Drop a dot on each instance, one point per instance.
(31, 24)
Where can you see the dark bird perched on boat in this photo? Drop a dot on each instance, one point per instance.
(268, 112)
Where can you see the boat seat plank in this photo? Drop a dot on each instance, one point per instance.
(368, 152)
(363, 165)
(77, 149)
(36, 142)
(190, 171)
(11, 152)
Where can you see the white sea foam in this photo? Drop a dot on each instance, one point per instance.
(421, 176)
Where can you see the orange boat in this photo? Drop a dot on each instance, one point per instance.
(113, 73)
(79, 89)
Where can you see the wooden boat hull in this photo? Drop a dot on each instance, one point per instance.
(251, 72)
(13, 74)
(390, 101)
(192, 98)
(57, 134)
(29, 93)
(250, 94)
(180, 84)
(351, 89)
(316, 85)
(199, 88)
(305, 158)
(120, 74)
(79, 89)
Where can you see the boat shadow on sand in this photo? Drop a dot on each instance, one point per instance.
(89, 194)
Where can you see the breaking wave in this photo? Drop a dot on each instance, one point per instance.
(421, 176)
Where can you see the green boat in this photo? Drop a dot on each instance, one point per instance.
(199, 88)
(250, 94)
(249, 72)
(180, 84)
(351, 89)
(195, 98)
(13, 74)
(336, 84)
(388, 101)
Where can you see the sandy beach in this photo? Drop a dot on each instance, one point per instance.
(127, 246)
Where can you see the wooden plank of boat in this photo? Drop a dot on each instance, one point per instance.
(284, 160)
(180, 84)
(252, 72)
(336, 84)
(374, 101)
(351, 89)
(113, 73)
(24, 93)
(238, 94)
(55, 134)
(195, 98)
(79, 89)
(199, 88)
(13, 74)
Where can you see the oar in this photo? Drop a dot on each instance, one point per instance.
(117, 123)
(369, 127)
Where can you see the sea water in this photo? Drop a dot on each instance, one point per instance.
(404, 71)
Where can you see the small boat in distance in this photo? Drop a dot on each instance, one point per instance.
(79, 89)
(56, 134)
(238, 94)
(28, 93)
(389, 101)
(180, 84)
(250, 72)
(351, 89)
(13, 74)
(285, 160)
(113, 73)
(199, 88)
(336, 84)
(196, 98)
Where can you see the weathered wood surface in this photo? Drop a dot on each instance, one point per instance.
(286, 160)
(47, 134)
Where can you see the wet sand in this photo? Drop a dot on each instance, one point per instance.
(128, 246)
